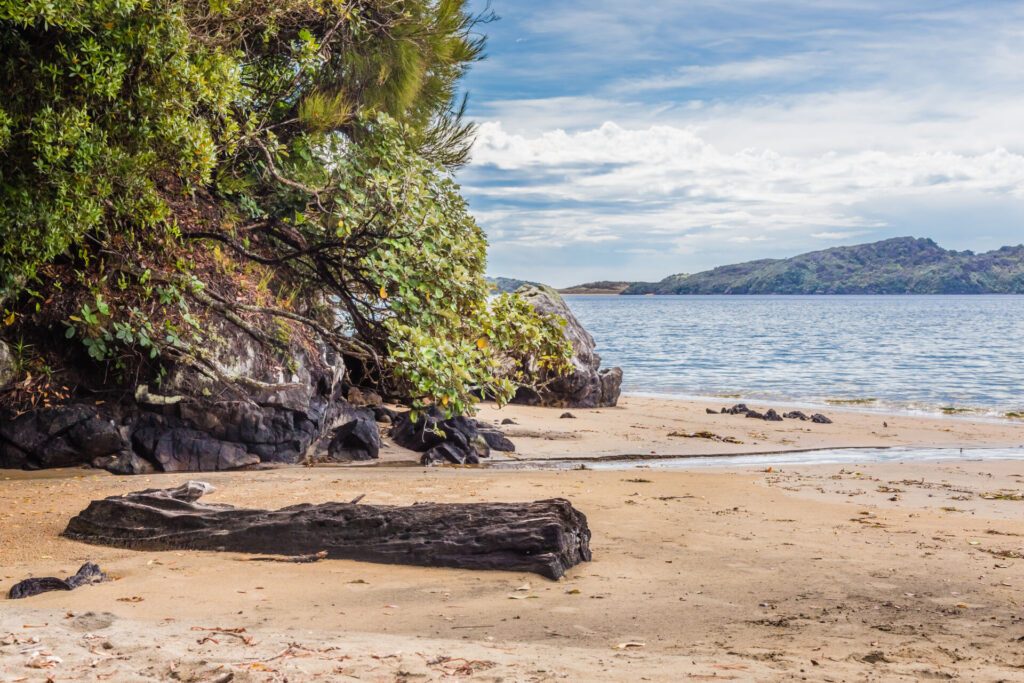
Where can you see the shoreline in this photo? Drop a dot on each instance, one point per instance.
(641, 427)
(872, 405)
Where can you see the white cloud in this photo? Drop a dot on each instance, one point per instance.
(730, 131)
(774, 68)
(611, 183)
(837, 235)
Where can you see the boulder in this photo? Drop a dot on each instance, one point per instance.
(357, 440)
(818, 418)
(586, 385)
(496, 439)
(190, 450)
(772, 416)
(796, 415)
(450, 453)
(465, 440)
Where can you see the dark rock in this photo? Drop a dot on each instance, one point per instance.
(44, 438)
(496, 439)
(508, 421)
(546, 537)
(772, 416)
(567, 416)
(356, 440)
(796, 415)
(818, 418)
(420, 434)
(711, 411)
(431, 429)
(753, 414)
(190, 450)
(96, 437)
(87, 574)
(263, 413)
(738, 409)
(586, 385)
(450, 453)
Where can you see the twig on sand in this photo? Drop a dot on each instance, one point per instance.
(236, 632)
(298, 559)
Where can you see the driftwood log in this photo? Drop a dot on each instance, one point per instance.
(546, 537)
(88, 573)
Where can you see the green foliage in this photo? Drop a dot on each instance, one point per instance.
(422, 281)
(311, 139)
(100, 96)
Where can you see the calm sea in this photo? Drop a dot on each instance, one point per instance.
(910, 352)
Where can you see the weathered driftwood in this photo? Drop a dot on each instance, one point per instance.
(546, 537)
(88, 573)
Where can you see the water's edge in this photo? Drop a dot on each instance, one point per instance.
(830, 456)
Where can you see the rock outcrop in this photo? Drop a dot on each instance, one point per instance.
(257, 412)
(586, 385)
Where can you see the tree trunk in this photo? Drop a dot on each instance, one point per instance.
(546, 537)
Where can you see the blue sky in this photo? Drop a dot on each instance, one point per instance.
(636, 140)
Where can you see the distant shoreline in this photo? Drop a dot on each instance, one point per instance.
(573, 292)
(902, 265)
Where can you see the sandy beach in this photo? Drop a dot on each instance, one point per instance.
(879, 572)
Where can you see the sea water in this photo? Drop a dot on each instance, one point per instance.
(919, 353)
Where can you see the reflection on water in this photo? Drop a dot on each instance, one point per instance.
(830, 456)
(923, 352)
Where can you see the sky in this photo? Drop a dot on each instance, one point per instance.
(634, 140)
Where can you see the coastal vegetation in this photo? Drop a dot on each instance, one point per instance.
(175, 173)
(903, 265)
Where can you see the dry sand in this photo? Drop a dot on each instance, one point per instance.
(884, 572)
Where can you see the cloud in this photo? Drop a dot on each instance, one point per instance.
(694, 134)
(670, 186)
(837, 235)
(787, 67)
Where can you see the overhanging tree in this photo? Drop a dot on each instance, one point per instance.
(284, 167)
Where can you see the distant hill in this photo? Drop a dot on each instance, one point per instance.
(507, 285)
(602, 287)
(903, 265)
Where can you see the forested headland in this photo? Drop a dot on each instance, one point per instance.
(176, 173)
(232, 233)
